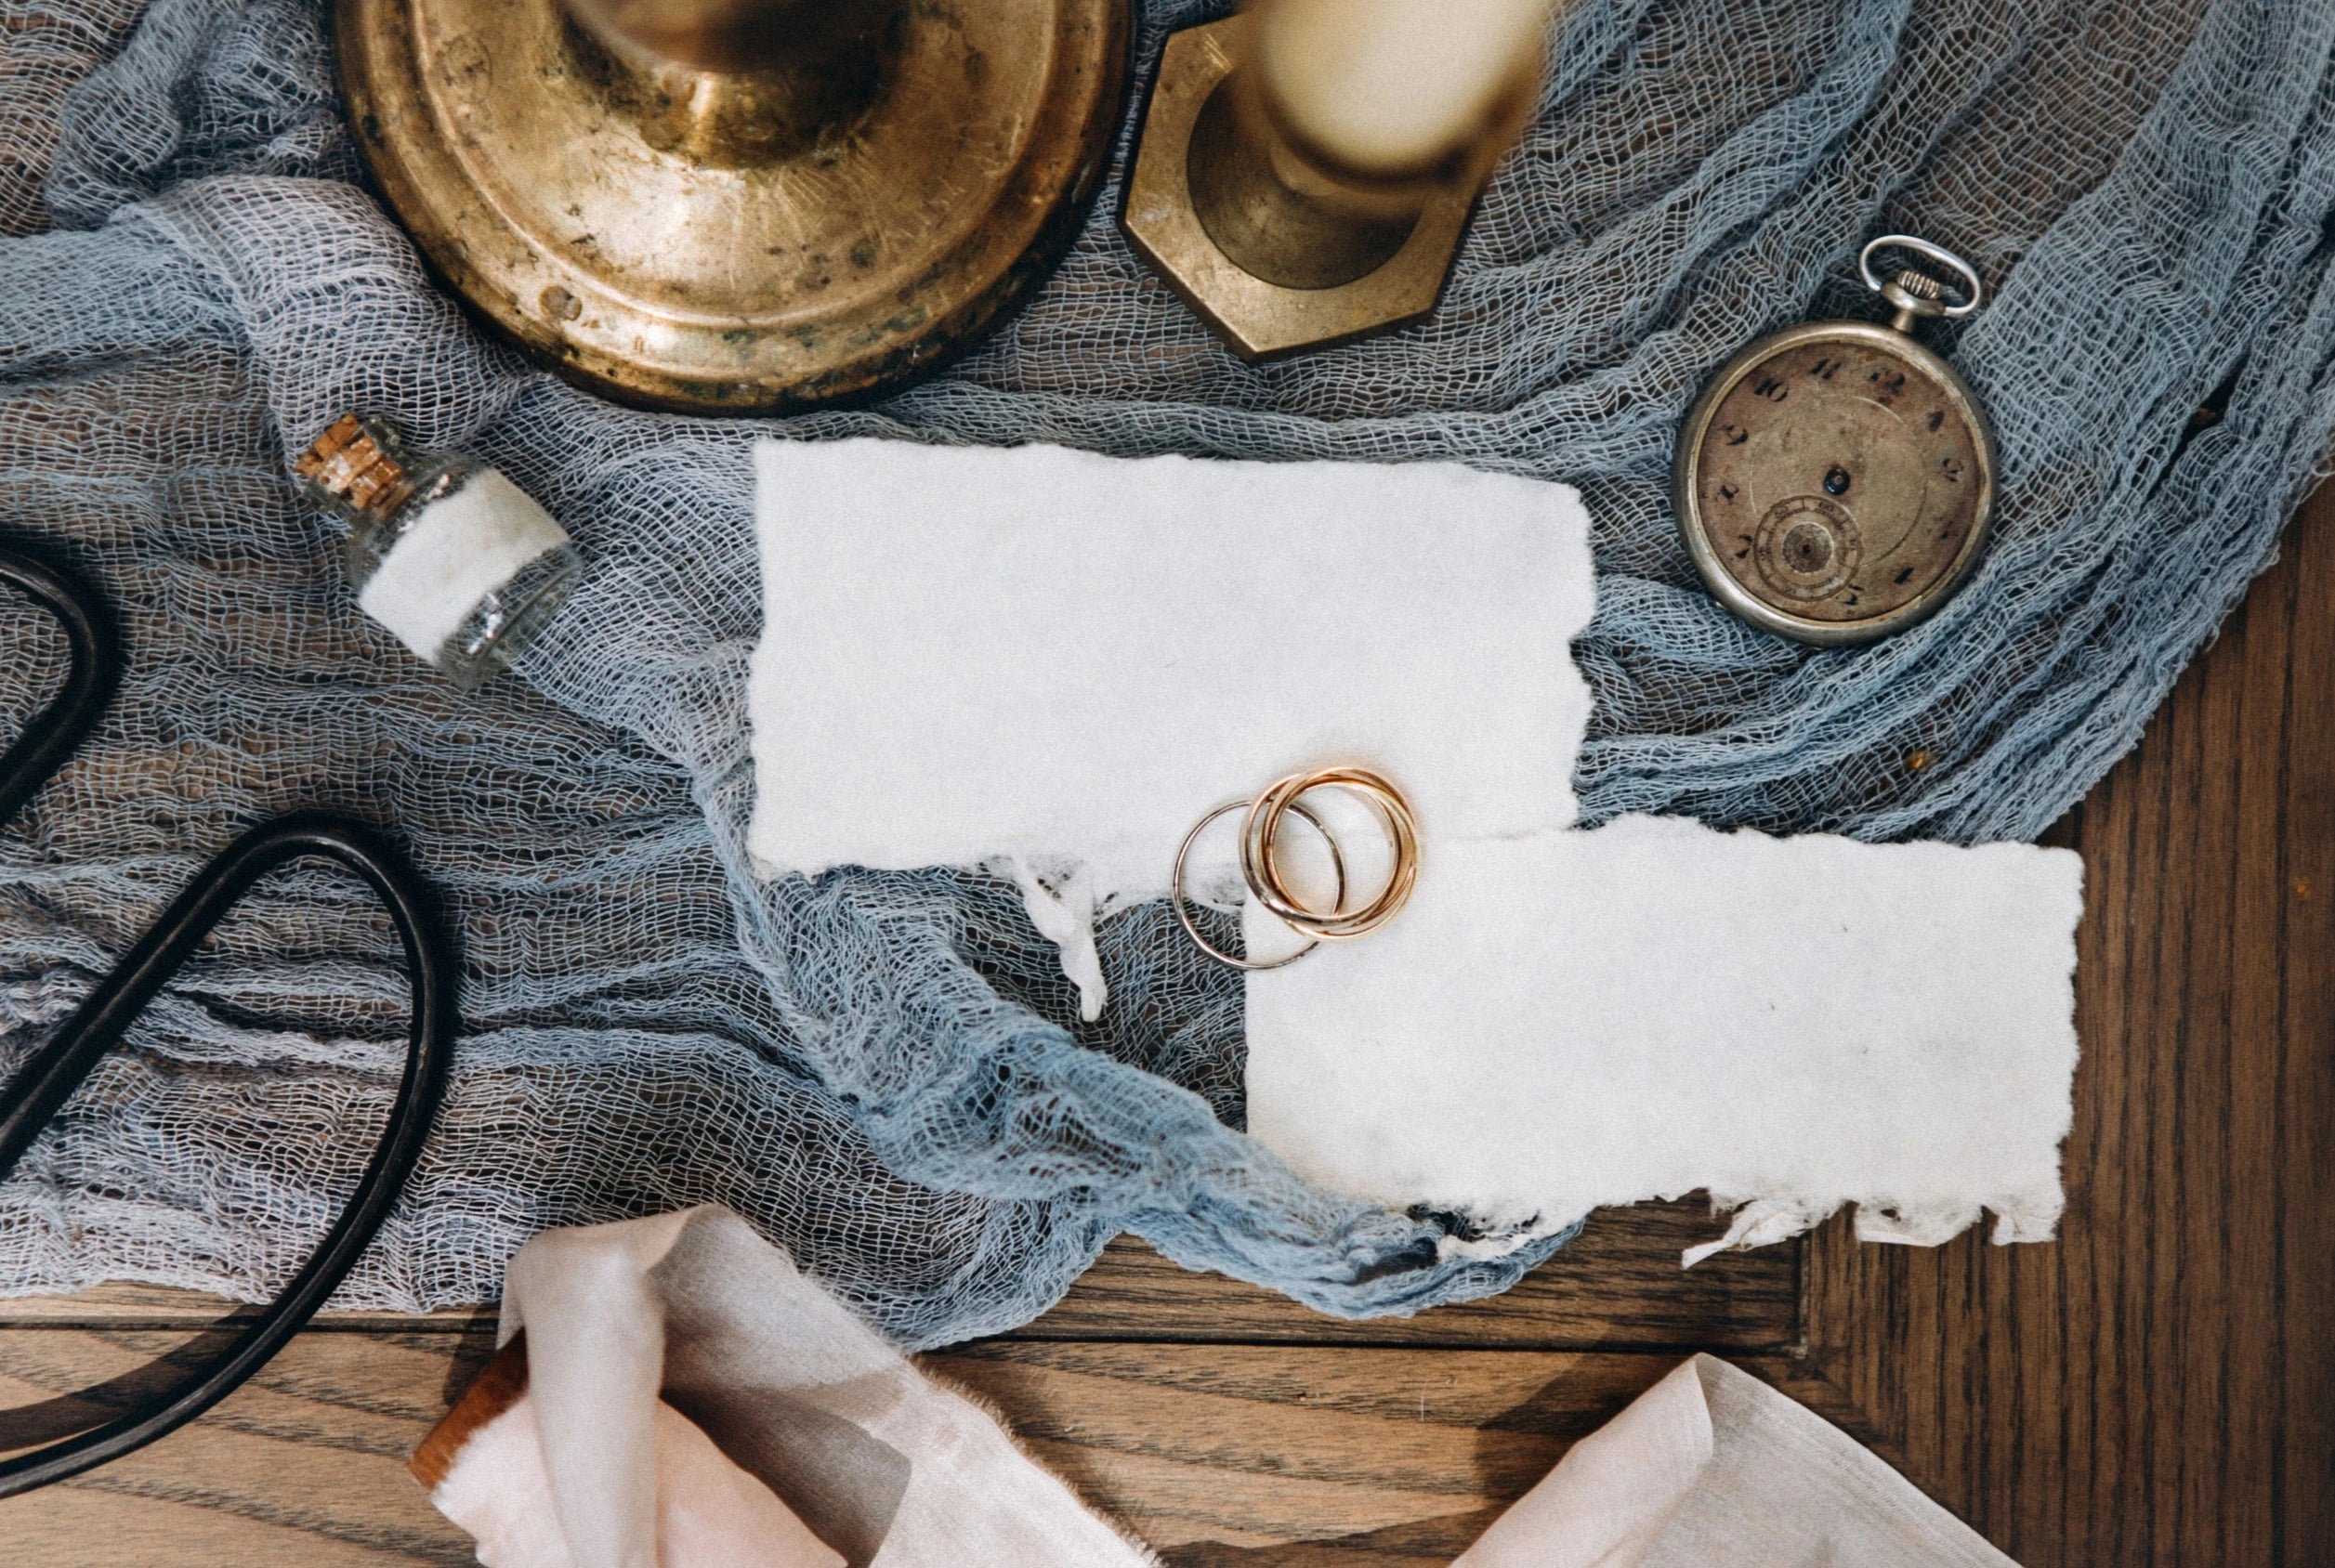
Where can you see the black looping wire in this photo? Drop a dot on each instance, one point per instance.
(57, 730)
(57, 1069)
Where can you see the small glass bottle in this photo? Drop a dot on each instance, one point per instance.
(445, 552)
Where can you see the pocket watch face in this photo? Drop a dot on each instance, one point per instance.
(1834, 482)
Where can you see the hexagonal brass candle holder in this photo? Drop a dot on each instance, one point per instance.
(1275, 257)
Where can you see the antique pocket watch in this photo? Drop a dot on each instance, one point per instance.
(1834, 481)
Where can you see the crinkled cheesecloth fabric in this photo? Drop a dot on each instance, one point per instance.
(885, 1073)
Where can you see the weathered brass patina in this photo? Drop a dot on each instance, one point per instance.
(735, 206)
(1280, 243)
(1835, 480)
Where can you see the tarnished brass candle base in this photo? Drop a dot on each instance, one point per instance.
(670, 239)
(1308, 274)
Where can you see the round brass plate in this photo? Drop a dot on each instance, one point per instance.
(505, 141)
(1835, 482)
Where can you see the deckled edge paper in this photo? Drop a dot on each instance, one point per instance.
(1052, 662)
(1583, 1018)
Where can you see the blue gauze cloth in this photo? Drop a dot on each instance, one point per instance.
(885, 1072)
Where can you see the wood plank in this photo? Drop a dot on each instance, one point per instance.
(160, 1307)
(304, 1464)
(1228, 1453)
(2158, 1387)
(1216, 1454)
(1619, 1287)
(2301, 1031)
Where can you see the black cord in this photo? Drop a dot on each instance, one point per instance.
(57, 1069)
(60, 729)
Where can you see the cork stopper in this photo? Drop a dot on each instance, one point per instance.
(352, 462)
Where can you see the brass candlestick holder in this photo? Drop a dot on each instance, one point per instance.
(1307, 167)
(736, 206)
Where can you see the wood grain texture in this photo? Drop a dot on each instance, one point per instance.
(1369, 1455)
(154, 1306)
(2157, 1387)
(305, 1464)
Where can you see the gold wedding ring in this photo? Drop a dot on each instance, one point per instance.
(1260, 844)
(1260, 837)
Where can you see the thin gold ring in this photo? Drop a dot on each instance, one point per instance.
(1183, 908)
(1260, 837)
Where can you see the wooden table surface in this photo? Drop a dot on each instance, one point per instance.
(2156, 1386)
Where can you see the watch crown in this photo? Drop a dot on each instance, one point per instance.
(1915, 295)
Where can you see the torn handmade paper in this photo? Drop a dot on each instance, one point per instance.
(1584, 1018)
(1035, 657)
(1053, 664)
